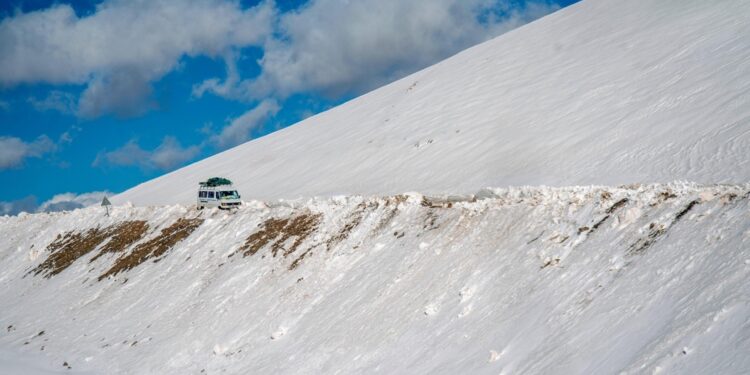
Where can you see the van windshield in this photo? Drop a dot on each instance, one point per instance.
(228, 194)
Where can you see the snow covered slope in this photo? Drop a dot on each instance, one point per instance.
(603, 92)
(645, 279)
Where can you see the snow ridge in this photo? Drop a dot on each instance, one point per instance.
(641, 278)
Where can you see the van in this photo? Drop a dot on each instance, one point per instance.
(218, 192)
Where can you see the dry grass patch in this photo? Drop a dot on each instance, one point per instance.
(391, 204)
(68, 247)
(125, 235)
(655, 231)
(277, 231)
(352, 221)
(663, 197)
(156, 247)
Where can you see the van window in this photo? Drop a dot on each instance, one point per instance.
(228, 194)
(210, 194)
(201, 194)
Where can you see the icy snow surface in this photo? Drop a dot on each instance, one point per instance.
(604, 92)
(582, 280)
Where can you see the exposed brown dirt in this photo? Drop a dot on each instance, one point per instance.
(599, 223)
(396, 200)
(663, 197)
(387, 217)
(67, 248)
(299, 259)
(430, 221)
(609, 211)
(268, 232)
(277, 231)
(392, 204)
(655, 232)
(156, 247)
(685, 210)
(352, 221)
(558, 238)
(125, 235)
(728, 198)
(550, 262)
(619, 204)
(443, 202)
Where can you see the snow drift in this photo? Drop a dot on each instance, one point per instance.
(603, 92)
(523, 280)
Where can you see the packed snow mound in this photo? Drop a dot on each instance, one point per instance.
(580, 280)
(604, 92)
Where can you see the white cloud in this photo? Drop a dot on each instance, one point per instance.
(126, 93)
(332, 47)
(130, 154)
(171, 154)
(228, 88)
(59, 101)
(59, 202)
(15, 207)
(65, 138)
(238, 130)
(71, 201)
(13, 151)
(337, 46)
(168, 155)
(122, 41)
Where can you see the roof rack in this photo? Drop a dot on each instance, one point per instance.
(215, 181)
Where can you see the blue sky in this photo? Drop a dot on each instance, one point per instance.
(98, 96)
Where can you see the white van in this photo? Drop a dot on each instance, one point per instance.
(218, 192)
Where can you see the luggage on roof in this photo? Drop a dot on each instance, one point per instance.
(216, 181)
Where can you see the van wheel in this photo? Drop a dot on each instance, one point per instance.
(200, 207)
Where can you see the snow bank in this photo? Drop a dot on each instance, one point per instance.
(636, 279)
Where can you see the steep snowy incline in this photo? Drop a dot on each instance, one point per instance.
(602, 92)
(589, 280)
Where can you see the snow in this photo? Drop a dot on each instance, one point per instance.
(603, 92)
(330, 267)
(639, 279)
(12, 362)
